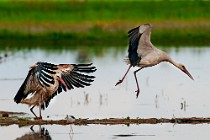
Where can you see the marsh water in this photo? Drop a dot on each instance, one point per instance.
(165, 92)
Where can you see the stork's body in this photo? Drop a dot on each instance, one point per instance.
(142, 53)
(45, 80)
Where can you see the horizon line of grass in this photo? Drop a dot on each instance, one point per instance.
(102, 38)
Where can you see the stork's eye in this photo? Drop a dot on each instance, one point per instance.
(183, 67)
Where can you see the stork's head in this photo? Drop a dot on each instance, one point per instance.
(145, 27)
(178, 65)
(182, 68)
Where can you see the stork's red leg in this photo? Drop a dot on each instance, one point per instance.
(35, 114)
(138, 89)
(31, 109)
(120, 81)
(40, 115)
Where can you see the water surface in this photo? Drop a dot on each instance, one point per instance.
(165, 92)
(132, 132)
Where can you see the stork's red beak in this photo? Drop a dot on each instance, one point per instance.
(187, 72)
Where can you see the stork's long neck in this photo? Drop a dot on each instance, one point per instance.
(168, 59)
(145, 38)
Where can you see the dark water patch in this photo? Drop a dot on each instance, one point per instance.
(130, 135)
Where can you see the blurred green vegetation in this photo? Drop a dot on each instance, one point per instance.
(102, 23)
(75, 11)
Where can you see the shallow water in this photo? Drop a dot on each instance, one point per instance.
(165, 92)
(104, 132)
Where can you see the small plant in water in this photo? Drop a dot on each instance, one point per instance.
(128, 118)
(24, 119)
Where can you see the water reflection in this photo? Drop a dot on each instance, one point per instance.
(104, 132)
(41, 134)
(83, 56)
(183, 105)
(86, 101)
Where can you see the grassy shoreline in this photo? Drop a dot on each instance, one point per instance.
(166, 38)
(103, 23)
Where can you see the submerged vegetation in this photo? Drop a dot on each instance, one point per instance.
(102, 23)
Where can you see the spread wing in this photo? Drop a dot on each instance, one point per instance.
(42, 75)
(24, 89)
(39, 75)
(73, 75)
(139, 41)
(134, 36)
(77, 76)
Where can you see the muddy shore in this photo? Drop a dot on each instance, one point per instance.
(10, 118)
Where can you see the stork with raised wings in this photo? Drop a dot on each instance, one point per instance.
(142, 53)
(46, 80)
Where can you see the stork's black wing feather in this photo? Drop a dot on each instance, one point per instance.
(78, 77)
(22, 92)
(42, 71)
(46, 103)
(134, 36)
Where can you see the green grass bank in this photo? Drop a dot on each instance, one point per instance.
(102, 23)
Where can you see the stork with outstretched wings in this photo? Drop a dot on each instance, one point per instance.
(46, 80)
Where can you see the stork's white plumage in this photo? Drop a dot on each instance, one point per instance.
(142, 53)
(46, 80)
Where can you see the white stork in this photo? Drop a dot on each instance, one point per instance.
(143, 54)
(46, 80)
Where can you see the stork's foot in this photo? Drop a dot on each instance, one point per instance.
(119, 82)
(38, 118)
(137, 93)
